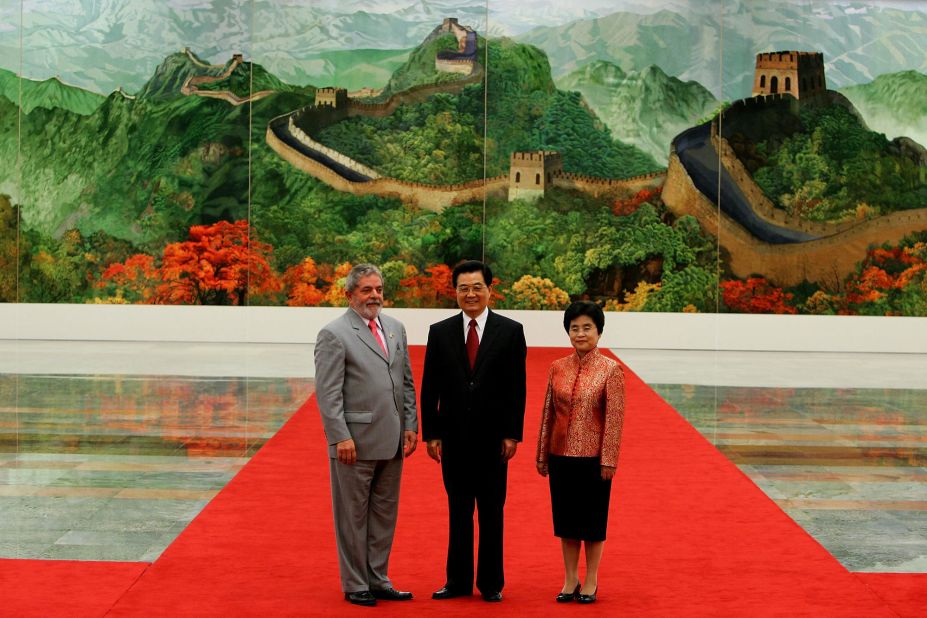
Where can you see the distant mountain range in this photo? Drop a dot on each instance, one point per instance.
(103, 44)
(859, 41)
(894, 104)
(645, 108)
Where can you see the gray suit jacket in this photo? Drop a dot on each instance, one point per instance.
(362, 394)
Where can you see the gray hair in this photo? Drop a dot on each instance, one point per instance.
(359, 272)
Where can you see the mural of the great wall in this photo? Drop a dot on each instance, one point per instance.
(586, 151)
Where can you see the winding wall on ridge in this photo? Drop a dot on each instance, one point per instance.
(429, 197)
(826, 261)
(309, 120)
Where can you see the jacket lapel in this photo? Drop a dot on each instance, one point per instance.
(458, 342)
(391, 341)
(364, 334)
(488, 339)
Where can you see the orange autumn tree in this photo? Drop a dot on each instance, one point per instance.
(755, 295)
(890, 281)
(131, 281)
(218, 264)
(626, 207)
(433, 288)
(335, 296)
(304, 283)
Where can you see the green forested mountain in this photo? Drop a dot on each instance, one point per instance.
(419, 68)
(441, 140)
(50, 94)
(171, 74)
(249, 77)
(141, 169)
(828, 167)
(645, 108)
(136, 173)
(894, 104)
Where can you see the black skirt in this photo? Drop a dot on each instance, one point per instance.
(579, 497)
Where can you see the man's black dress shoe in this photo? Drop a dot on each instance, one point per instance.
(448, 593)
(391, 594)
(362, 597)
(566, 597)
(492, 597)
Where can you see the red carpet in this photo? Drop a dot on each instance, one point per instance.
(63, 587)
(690, 535)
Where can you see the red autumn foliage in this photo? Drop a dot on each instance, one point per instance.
(883, 271)
(755, 295)
(433, 289)
(137, 277)
(305, 283)
(219, 264)
(626, 207)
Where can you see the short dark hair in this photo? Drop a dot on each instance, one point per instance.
(472, 266)
(584, 307)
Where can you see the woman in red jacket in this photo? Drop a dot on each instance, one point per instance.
(578, 446)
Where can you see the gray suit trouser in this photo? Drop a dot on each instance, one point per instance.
(365, 502)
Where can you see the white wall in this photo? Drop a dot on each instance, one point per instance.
(669, 331)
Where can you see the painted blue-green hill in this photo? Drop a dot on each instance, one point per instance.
(51, 93)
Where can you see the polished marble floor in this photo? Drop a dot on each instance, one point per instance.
(108, 450)
(838, 441)
(114, 465)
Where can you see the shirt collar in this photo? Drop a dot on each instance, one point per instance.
(480, 322)
(367, 322)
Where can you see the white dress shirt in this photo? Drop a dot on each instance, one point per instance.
(480, 324)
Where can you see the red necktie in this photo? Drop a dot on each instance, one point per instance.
(473, 343)
(376, 335)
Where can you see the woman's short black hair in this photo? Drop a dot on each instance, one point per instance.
(472, 266)
(584, 307)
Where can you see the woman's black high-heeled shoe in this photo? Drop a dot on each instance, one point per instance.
(566, 597)
(586, 598)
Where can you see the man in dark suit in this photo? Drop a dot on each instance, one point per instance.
(363, 382)
(473, 410)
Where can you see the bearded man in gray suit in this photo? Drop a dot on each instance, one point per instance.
(364, 388)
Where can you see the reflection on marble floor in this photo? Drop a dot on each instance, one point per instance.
(113, 467)
(848, 465)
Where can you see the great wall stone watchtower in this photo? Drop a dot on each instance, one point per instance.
(797, 73)
(462, 60)
(332, 97)
(530, 173)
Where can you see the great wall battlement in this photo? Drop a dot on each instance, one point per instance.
(200, 63)
(189, 87)
(311, 119)
(332, 154)
(455, 65)
(430, 197)
(617, 187)
(827, 260)
(463, 60)
(414, 95)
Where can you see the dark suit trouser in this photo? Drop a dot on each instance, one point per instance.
(365, 502)
(474, 477)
